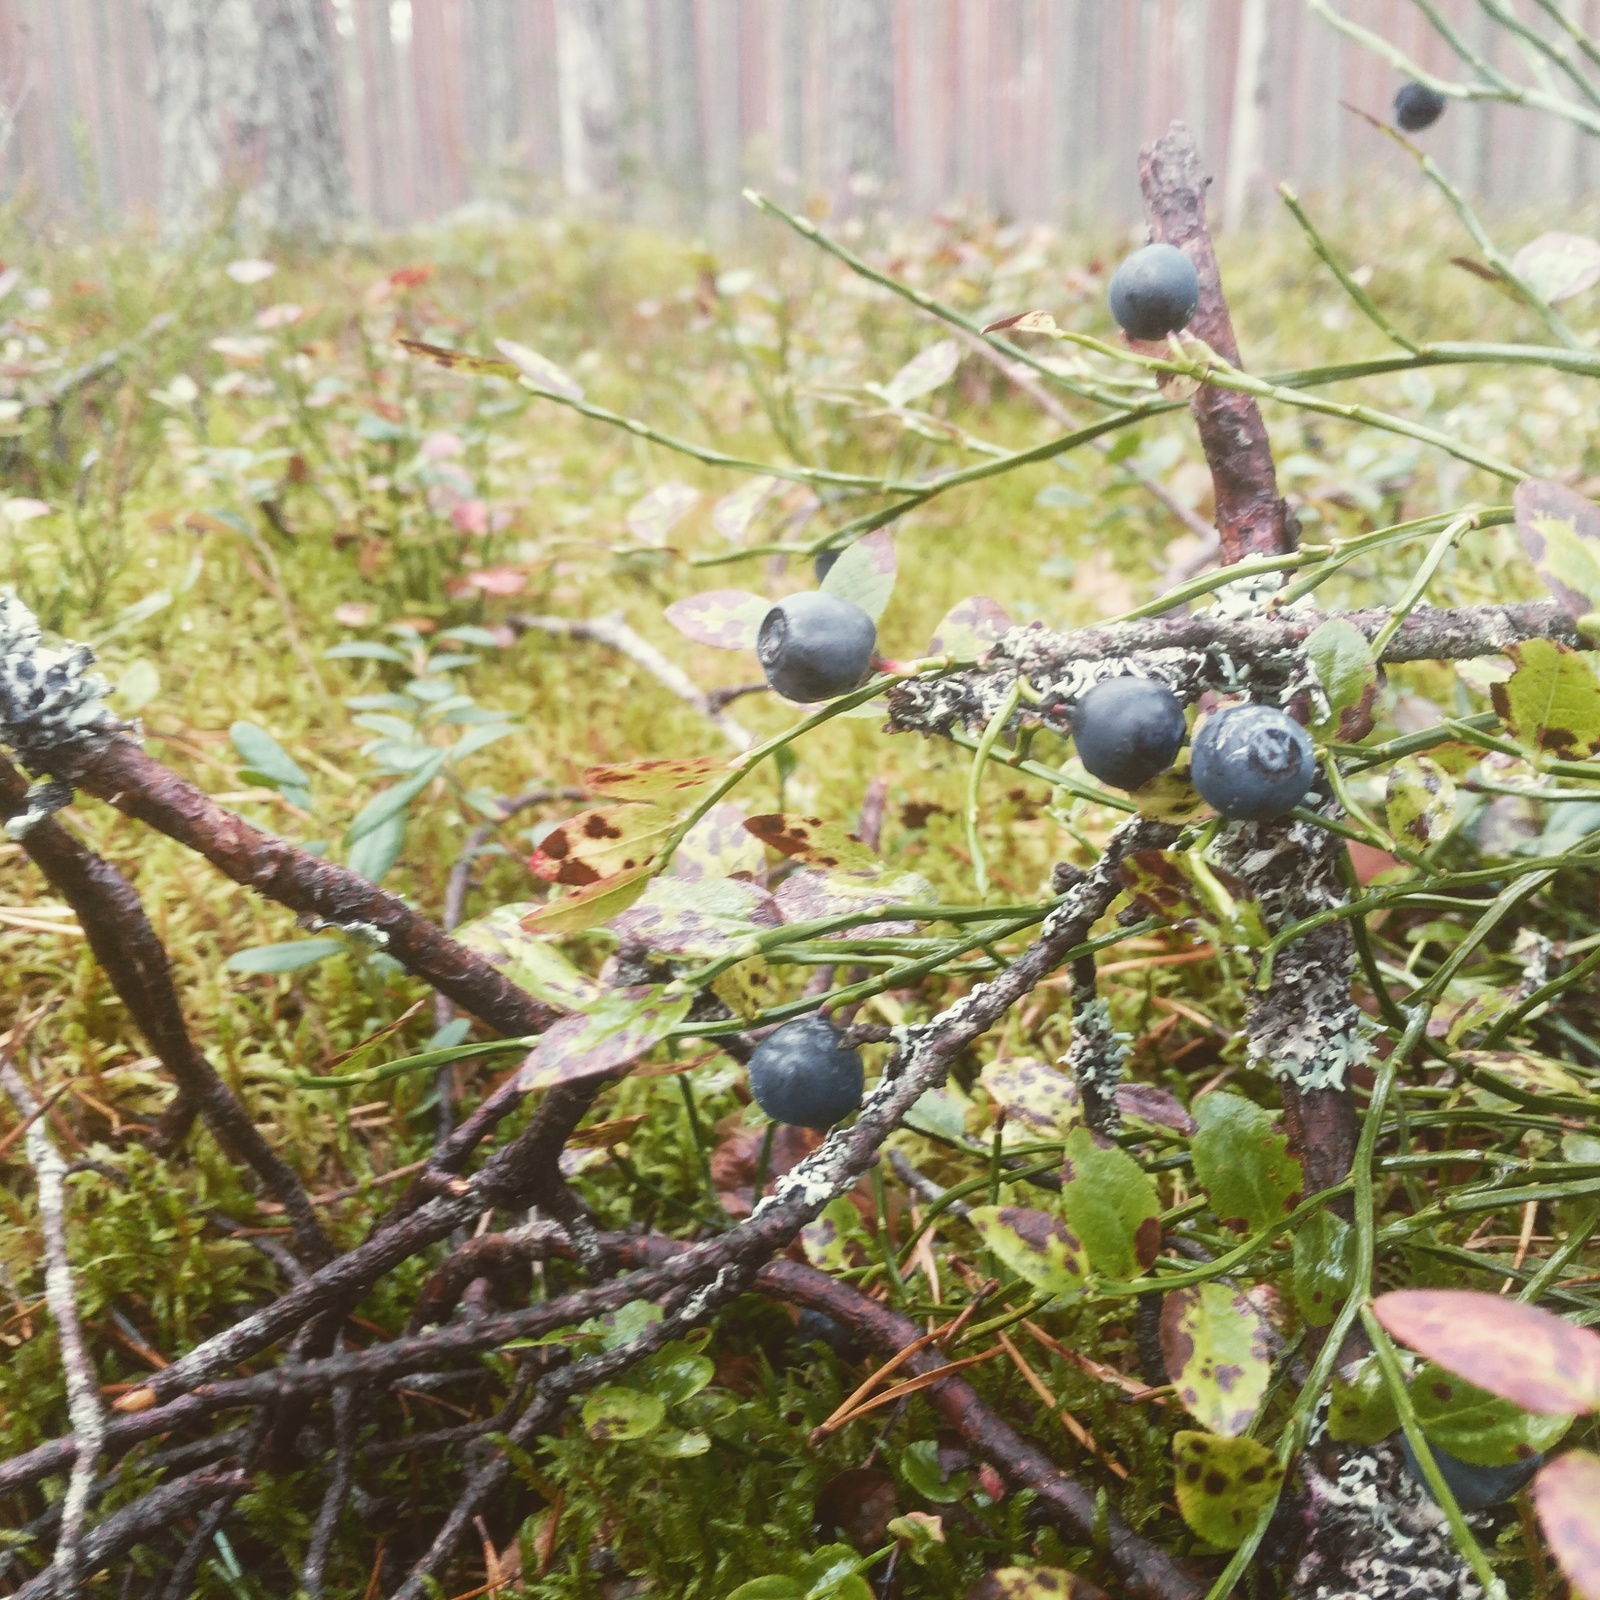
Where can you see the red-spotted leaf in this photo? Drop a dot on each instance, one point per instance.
(969, 627)
(707, 917)
(806, 896)
(590, 906)
(654, 780)
(818, 843)
(725, 619)
(459, 360)
(624, 1024)
(1517, 1351)
(1567, 1495)
(1558, 265)
(595, 844)
(1560, 530)
(864, 573)
(653, 516)
(732, 515)
(718, 846)
(1215, 1347)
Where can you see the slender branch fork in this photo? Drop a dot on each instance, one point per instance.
(1303, 1015)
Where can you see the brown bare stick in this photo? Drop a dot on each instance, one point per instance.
(1252, 518)
(127, 947)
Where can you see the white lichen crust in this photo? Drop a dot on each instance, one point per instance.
(49, 699)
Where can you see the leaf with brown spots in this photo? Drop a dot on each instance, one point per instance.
(596, 844)
(1214, 1343)
(1567, 1495)
(1560, 530)
(654, 780)
(1420, 802)
(1349, 677)
(1552, 701)
(1519, 1352)
(1035, 1583)
(829, 845)
(459, 360)
(623, 1025)
(1039, 1102)
(589, 907)
(1223, 1485)
(969, 627)
(1478, 1427)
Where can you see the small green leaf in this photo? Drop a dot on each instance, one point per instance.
(613, 1413)
(1036, 1246)
(677, 1373)
(926, 1474)
(1243, 1163)
(837, 1240)
(375, 853)
(289, 957)
(1477, 1426)
(1323, 1266)
(1552, 701)
(1215, 1346)
(1420, 802)
(263, 755)
(1349, 676)
(1361, 1409)
(1223, 1485)
(678, 1444)
(1111, 1204)
(771, 1588)
(627, 1324)
(364, 650)
(591, 906)
(864, 573)
(391, 804)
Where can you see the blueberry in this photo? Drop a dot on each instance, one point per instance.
(799, 1074)
(817, 1327)
(1475, 1488)
(822, 565)
(814, 646)
(1154, 292)
(1127, 730)
(1252, 762)
(1416, 106)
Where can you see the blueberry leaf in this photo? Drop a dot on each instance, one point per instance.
(622, 1026)
(1566, 1493)
(595, 844)
(704, 917)
(732, 515)
(1420, 803)
(1560, 530)
(1223, 1485)
(539, 371)
(1039, 1102)
(969, 627)
(654, 515)
(725, 619)
(1478, 1427)
(1111, 1204)
(864, 573)
(1214, 1343)
(1243, 1163)
(1349, 676)
(1551, 702)
(1036, 1246)
(590, 906)
(926, 371)
(654, 780)
(1557, 266)
(533, 964)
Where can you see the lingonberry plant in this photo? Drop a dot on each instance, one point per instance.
(1412, 1061)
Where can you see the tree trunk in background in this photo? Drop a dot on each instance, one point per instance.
(863, 96)
(200, 49)
(589, 102)
(302, 185)
(680, 142)
(248, 85)
(1251, 87)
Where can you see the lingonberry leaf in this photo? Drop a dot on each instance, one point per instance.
(725, 619)
(1223, 1485)
(1519, 1352)
(1214, 1343)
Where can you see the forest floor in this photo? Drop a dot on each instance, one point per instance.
(264, 512)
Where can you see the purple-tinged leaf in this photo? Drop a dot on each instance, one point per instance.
(864, 573)
(708, 917)
(732, 515)
(1519, 1352)
(807, 896)
(725, 619)
(1567, 1495)
(969, 627)
(1215, 1345)
(624, 1025)
(1155, 1107)
(1560, 530)
(651, 518)
(718, 846)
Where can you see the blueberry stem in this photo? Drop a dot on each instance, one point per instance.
(1447, 540)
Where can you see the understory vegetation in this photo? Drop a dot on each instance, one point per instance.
(330, 577)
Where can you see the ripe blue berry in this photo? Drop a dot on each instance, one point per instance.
(1475, 1488)
(817, 1327)
(1154, 292)
(1416, 106)
(800, 1074)
(814, 646)
(1127, 730)
(1252, 762)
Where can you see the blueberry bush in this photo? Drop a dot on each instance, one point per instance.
(1047, 1045)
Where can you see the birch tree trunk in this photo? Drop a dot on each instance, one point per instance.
(863, 64)
(248, 86)
(680, 142)
(589, 102)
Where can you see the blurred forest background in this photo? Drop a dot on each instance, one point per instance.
(400, 111)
